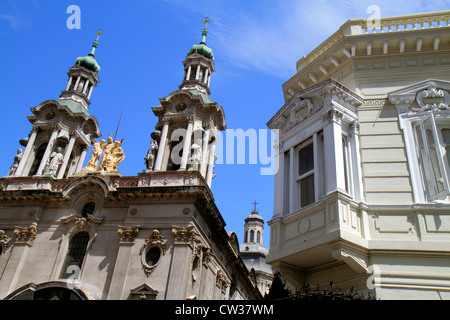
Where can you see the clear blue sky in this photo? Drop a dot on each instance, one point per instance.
(256, 45)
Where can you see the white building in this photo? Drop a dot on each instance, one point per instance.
(362, 197)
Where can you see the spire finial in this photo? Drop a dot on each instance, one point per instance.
(99, 33)
(205, 30)
(255, 203)
(95, 44)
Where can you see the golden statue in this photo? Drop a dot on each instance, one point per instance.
(111, 153)
(96, 154)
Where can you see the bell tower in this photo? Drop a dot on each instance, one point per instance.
(63, 130)
(254, 227)
(189, 121)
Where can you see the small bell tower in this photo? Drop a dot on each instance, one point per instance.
(63, 130)
(254, 227)
(189, 121)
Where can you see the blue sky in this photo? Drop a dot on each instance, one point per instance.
(256, 44)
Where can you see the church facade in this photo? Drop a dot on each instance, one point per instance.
(69, 231)
(362, 197)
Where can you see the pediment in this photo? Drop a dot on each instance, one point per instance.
(426, 95)
(144, 289)
(306, 103)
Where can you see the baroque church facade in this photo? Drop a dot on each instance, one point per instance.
(362, 197)
(74, 232)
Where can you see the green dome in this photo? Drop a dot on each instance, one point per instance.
(89, 62)
(202, 48)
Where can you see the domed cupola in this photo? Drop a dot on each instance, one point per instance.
(202, 48)
(88, 61)
(199, 65)
(83, 77)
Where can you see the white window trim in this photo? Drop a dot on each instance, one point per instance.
(417, 179)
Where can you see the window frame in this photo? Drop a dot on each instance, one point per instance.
(299, 177)
(439, 120)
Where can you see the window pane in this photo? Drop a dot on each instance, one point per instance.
(307, 191)
(446, 138)
(423, 157)
(434, 155)
(306, 159)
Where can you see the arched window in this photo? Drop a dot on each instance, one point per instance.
(88, 208)
(258, 237)
(75, 256)
(37, 159)
(252, 236)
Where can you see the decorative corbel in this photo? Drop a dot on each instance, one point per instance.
(127, 234)
(26, 235)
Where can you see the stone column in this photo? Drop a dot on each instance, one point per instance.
(161, 147)
(187, 145)
(205, 79)
(188, 73)
(197, 74)
(48, 150)
(90, 92)
(292, 182)
(69, 83)
(179, 275)
(81, 159)
(85, 86)
(24, 240)
(76, 83)
(212, 155)
(334, 157)
(205, 153)
(279, 185)
(127, 237)
(66, 158)
(26, 154)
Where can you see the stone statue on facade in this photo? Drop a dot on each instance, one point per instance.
(151, 154)
(196, 157)
(54, 162)
(17, 159)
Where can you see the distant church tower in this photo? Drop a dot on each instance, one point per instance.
(63, 130)
(253, 252)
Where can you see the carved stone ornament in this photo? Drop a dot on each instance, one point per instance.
(3, 241)
(127, 234)
(81, 224)
(301, 110)
(222, 281)
(26, 235)
(111, 153)
(185, 234)
(432, 98)
(154, 240)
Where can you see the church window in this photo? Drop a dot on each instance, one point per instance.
(75, 256)
(88, 208)
(193, 73)
(152, 256)
(258, 237)
(252, 236)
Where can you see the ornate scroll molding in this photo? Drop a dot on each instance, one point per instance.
(222, 282)
(3, 241)
(153, 240)
(127, 234)
(437, 99)
(26, 235)
(81, 224)
(185, 234)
